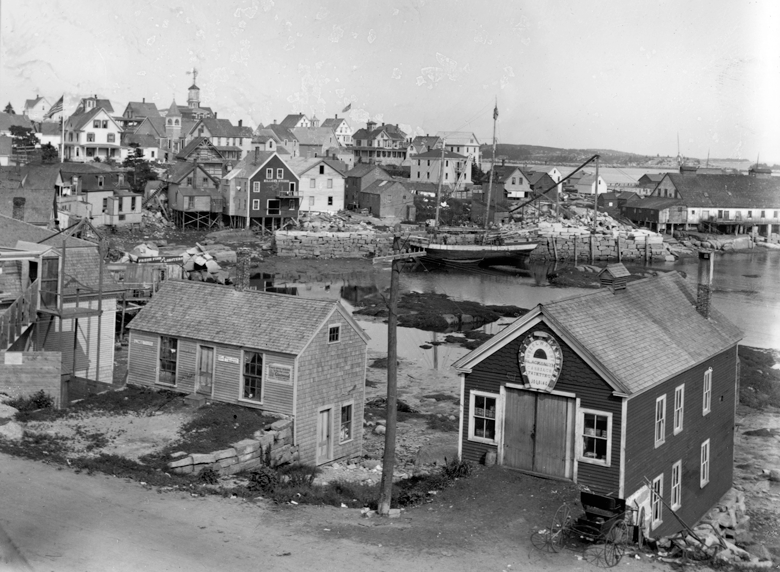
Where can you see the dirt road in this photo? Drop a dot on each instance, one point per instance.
(61, 522)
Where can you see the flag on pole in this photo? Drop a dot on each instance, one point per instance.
(347, 108)
(56, 108)
(495, 112)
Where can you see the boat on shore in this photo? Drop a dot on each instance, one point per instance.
(439, 249)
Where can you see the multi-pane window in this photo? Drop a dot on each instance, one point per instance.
(595, 437)
(660, 420)
(334, 333)
(96, 124)
(253, 376)
(168, 353)
(105, 124)
(274, 206)
(706, 404)
(255, 204)
(280, 173)
(330, 183)
(312, 183)
(482, 425)
(656, 502)
(111, 137)
(677, 485)
(90, 137)
(330, 201)
(256, 187)
(269, 173)
(704, 473)
(345, 432)
(679, 401)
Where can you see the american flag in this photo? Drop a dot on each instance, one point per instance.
(347, 108)
(495, 112)
(56, 108)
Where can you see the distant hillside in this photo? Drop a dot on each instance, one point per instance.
(538, 154)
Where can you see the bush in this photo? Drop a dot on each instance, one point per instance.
(298, 475)
(209, 476)
(38, 400)
(457, 469)
(263, 480)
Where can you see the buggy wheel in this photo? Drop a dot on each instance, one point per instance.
(560, 528)
(615, 543)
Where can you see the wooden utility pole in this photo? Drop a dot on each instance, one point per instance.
(438, 189)
(391, 414)
(596, 195)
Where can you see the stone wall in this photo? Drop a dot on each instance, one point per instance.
(24, 373)
(244, 455)
(570, 244)
(359, 244)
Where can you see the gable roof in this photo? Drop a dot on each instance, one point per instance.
(30, 103)
(142, 140)
(99, 103)
(333, 122)
(49, 128)
(502, 173)
(292, 120)
(315, 136)
(635, 339)
(250, 164)
(655, 203)
(194, 144)
(7, 120)
(197, 310)
(383, 186)
(362, 169)
(12, 231)
(142, 109)
(280, 132)
(458, 137)
(727, 191)
(78, 121)
(393, 132)
(301, 165)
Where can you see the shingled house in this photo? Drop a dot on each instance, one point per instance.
(622, 391)
(309, 366)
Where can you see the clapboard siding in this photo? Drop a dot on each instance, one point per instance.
(57, 336)
(645, 460)
(278, 397)
(227, 373)
(331, 375)
(576, 377)
(142, 353)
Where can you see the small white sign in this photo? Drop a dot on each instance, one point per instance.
(14, 358)
(143, 342)
(227, 359)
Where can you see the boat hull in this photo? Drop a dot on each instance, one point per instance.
(469, 253)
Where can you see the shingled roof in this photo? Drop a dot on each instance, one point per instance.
(727, 191)
(249, 319)
(637, 338)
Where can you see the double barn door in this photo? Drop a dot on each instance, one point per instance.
(539, 433)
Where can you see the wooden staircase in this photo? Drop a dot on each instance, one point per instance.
(19, 316)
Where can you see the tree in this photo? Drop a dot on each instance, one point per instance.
(141, 168)
(9, 109)
(23, 137)
(478, 176)
(49, 153)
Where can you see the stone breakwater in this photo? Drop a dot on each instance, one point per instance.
(244, 455)
(359, 244)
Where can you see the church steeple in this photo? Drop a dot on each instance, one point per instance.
(173, 121)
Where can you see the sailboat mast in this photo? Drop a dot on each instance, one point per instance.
(492, 166)
(441, 176)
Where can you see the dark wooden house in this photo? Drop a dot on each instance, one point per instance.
(293, 356)
(194, 197)
(200, 150)
(623, 391)
(388, 199)
(656, 213)
(261, 190)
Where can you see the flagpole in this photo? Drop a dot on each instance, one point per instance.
(62, 135)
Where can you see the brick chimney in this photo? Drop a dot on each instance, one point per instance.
(257, 154)
(18, 208)
(240, 122)
(243, 259)
(704, 288)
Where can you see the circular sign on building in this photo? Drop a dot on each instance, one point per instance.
(540, 360)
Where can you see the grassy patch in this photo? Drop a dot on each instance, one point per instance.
(759, 384)
(216, 426)
(38, 400)
(443, 424)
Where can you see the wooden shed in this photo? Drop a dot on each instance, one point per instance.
(283, 354)
(613, 390)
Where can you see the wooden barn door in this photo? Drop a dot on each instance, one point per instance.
(538, 433)
(205, 370)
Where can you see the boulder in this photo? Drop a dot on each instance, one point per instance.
(774, 475)
(11, 431)
(7, 412)
(435, 455)
(380, 430)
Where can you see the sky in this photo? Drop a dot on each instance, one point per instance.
(631, 76)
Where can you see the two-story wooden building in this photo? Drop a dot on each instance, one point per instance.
(194, 196)
(309, 366)
(656, 213)
(625, 390)
(322, 184)
(261, 190)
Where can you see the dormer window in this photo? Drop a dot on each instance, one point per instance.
(100, 182)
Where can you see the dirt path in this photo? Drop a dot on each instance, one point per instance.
(62, 521)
